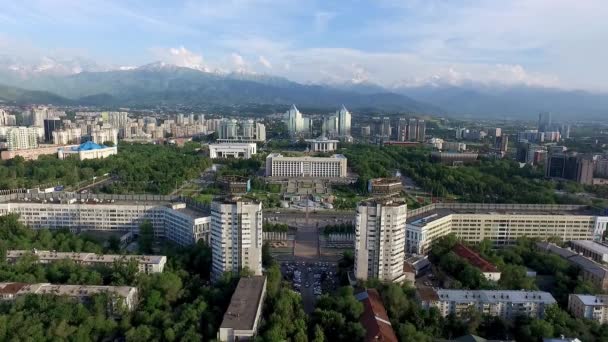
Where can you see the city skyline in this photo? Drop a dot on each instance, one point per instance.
(390, 43)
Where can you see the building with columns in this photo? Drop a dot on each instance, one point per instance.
(322, 144)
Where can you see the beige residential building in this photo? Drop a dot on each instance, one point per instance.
(593, 307)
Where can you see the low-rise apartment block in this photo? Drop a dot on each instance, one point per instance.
(592, 271)
(489, 271)
(147, 263)
(505, 304)
(594, 250)
(589, 307)
(500, 223)
(314, 167)
(242, 318)
(174, 221)
(122, 296)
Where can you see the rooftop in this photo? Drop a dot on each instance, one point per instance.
(473, 258)
(385, 201)
(374, 319)
(495, 296)
(592, 245)
(244, 303)
(278, 155)
(385, 181)
(591, 300)
(576, 259)
(86, 257)
(88, 146)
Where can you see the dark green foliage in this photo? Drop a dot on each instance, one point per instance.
(342, 228)
(145, 239)
(275, 227)
(338, 316)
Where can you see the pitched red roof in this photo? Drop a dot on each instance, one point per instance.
(11, 288)
(375, 319)
(474, 258)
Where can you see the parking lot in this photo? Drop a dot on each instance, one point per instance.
(310, 279)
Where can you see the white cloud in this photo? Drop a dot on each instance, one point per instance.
(265, 62)
(182, 57)
(238, 62)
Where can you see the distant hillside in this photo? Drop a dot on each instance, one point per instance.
(23, 96)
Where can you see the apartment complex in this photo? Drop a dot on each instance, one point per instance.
(317, 167)
(505, 304)
(232, 150)
(591, 270)
(490, 271)
(379, 239)
(594, 250)
(231, 130)
(122, 296)
(242, 318)
(236, 236)
(147, 263)
(22, 138)
(500, 223)
(171, 220)
(594, 307)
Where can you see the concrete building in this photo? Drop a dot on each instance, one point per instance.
(72, 135)
(51, 125)
(171, 220)
(344, 122)
(454, 158)
(453, 146)
(295, 122)
(319, 167)
(379, 239)
(105, 134)
(22, 138)
(505, 304)
(7, 119)
(593, 307)
(374, 319)
(384, 186)
(570, 166)
(322, 144)
(500, 223)
(594, 250)
(236, 236)
(123, 296)
(88, 150)
(147, 263)
(34, 153)
(242, 319)
(490, 272)
(232, 150)
(591, 271)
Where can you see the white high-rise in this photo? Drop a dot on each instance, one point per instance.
(22, 138)
(295, 122)
(236, 236)
(344, 119)
(380, 239)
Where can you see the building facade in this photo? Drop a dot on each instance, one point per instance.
(322, 144)
(232, 150)
(594, 250)
(236, 236)
(379, 239)
(296, 123)
(242, 318)
(320, 167)
(593, 307)
(22, 138)
(88, 150)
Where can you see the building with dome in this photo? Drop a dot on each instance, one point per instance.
(88, 150)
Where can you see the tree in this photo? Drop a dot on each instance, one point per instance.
(145, 239)
(108, 143)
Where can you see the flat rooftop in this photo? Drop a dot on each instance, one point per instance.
(507, 209)
(591, 300)
(495, 296)
(278, 155)
(385, 201)
(86, 257)
(591, 245)
(244, 304)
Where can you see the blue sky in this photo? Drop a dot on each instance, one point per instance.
(540, 42)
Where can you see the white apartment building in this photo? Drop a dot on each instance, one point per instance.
(232, 150)
(380, 239)
(506, 304)
(594, 307)
(124, 296)
(101, 135)
(7, 119)
(295, 122)
(500, 223)
(236, 236)
(147, 263)
(173, 221)
(67, 136)
(319, 167)
(22, 138)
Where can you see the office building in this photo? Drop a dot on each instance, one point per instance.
(125, 296)
(173, 221)
(505, 304)
(544, 122)
(318, 167)
(88, 150)
(379, 239)
(570, 166)
(7, 119)
(591, 271)
(374, 318)
(500, 223)
(232, 150)
(593, 250)
(453, 146)
(242, 318)
(344, 121)
(21, 138)
(489, 271)
(384, 186)
(322, 144)
(146, 263)
(295, 122)
(51, 125)
(586, 306)
(236, 236)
